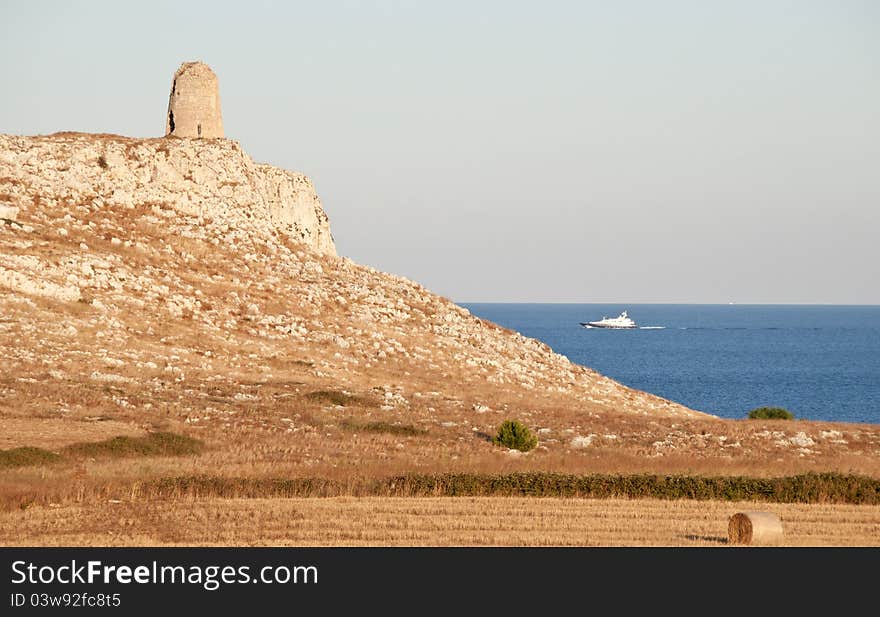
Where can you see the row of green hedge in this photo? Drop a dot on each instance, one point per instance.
(806, 488)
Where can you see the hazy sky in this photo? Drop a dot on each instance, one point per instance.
(668, 151)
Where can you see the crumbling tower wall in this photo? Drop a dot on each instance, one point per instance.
(194, 103)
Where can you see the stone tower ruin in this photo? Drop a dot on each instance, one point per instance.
(194, 104)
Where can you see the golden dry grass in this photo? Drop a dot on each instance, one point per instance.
(255, 427)
(53, 433)
(452, 521)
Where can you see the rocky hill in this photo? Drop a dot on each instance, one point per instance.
(211, 179)
(176, 284)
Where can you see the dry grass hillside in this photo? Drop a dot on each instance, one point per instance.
(128, 316)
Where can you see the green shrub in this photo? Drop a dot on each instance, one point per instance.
(335, 397)
(514, 434)
(770, 413)
(153, 444)
(23, 457)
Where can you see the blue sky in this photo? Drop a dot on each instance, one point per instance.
(502, 151)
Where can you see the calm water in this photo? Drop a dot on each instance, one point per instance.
(820, 362)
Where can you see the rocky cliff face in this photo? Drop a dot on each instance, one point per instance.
(212, 179)
(118, 239)
(132, 238)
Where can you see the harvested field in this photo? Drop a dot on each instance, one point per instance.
(427, 521)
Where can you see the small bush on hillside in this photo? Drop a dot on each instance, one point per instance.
(154, 444)
(770, 413)
(335, 397)
(23, 457)
(384, 427)
(516, 435)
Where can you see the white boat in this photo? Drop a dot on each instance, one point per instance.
(621, 322)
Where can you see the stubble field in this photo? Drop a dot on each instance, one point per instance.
(427, 521)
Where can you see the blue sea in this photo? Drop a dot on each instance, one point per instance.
(819, 362)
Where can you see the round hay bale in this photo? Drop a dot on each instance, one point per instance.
(755, 528)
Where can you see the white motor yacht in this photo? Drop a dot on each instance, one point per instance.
(621, 322)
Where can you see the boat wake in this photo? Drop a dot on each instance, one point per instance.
(743, 328)
(652, 327)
